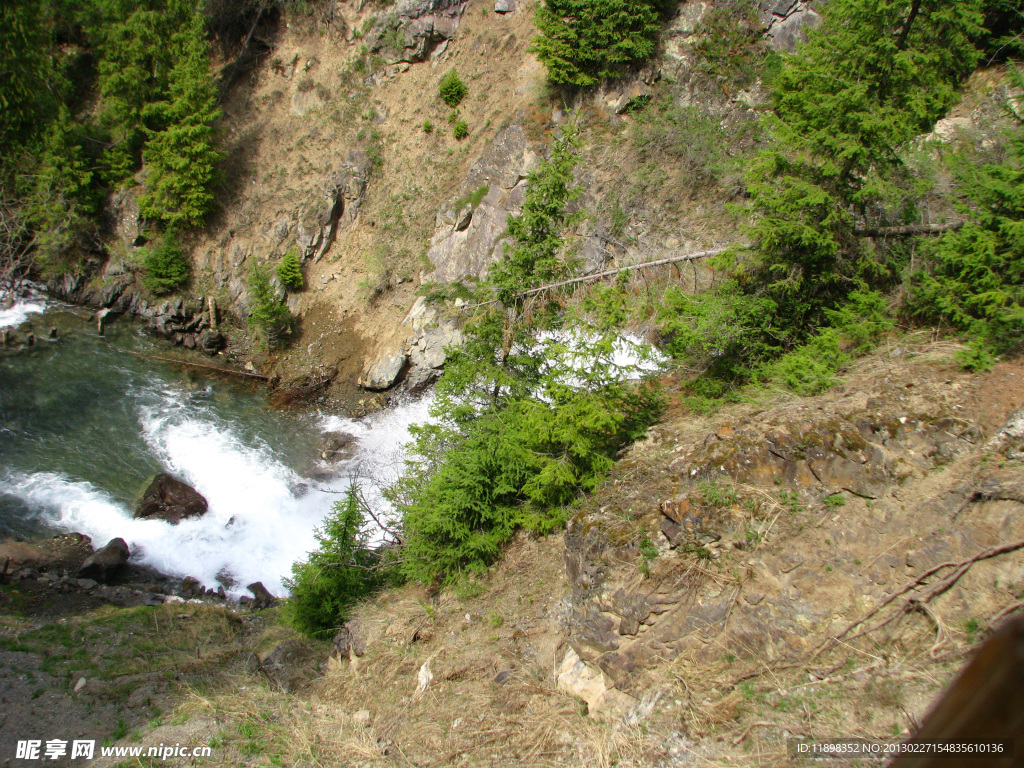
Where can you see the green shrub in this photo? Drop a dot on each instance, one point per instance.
(521, 427)
(583, 42)
(428, 127)
(811, 368)
(460, 130)
(451, 89)
(686, 136)
(289, 271)
(341, 571)
(973, 278)
(165, 267)
(269, 319)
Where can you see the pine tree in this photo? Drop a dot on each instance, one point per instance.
(25, 70)
(268, 319)
(166, 267)
(583, 42)
(135, 59)
(62, 203)
(876, 74)
(974, 277)
(342, 570)
(289, 271)
(181, 160)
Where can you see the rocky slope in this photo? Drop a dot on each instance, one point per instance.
(809, 567)
(338, 147)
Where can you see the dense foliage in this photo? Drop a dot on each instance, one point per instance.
(526, 418)
(289, 271)
(451, 89)
(583, 42)
(875, 74)
(342, 570)
(166, 267)
(180, 157)
(93, 92)
(269, 318)
(974, 277)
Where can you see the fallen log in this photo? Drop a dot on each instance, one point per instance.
(200, 366)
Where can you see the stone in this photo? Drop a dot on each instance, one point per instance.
(384, 372)
(87, 583)
(263, 598)
(362, 717)
(504, 6)
(64, 551)
(336, 446)
(171, 500)
(106, 563)
(837, 473)
(350, 641)
(463, 217)
(580, 679)
(287, 658)
(190, 586)
(211, 341)
(416, 30)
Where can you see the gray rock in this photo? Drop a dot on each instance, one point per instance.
(464, 217)
(384, 372)
(336, 446)
(415, 30)
(106, 563)
(211, 341)
(504, 6)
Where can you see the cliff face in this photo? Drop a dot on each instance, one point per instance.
(339, 147)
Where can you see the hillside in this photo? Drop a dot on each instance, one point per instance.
(799, 521)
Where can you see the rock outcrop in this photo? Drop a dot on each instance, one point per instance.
(106, 563)
(169, 499)
(415, 29)
(466, 236)
(334, 207)
(787, 475)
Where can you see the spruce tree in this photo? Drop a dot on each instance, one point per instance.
(61, 201)
(25, 70)
(876, 74)
(289, 271)
(342, 570)
(181, 160)
(973, 278)
(583, 42)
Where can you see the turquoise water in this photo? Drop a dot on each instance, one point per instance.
(84, 424)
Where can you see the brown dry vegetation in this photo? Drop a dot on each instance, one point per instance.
(493, 647)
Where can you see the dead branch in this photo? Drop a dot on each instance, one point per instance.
(908, 230)
(214, 368)
(931, 591)
(613, 272)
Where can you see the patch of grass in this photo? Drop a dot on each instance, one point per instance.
(494, 619)
(972, 627)
(834, 501)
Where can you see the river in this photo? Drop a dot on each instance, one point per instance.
(85, 424)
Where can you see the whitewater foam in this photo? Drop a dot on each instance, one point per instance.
(21, 309)
(262, 514)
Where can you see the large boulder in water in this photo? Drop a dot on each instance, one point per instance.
(169, 499)
(106, 563)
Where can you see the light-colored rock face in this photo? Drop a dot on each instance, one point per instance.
(382, 373)
(468, 240)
